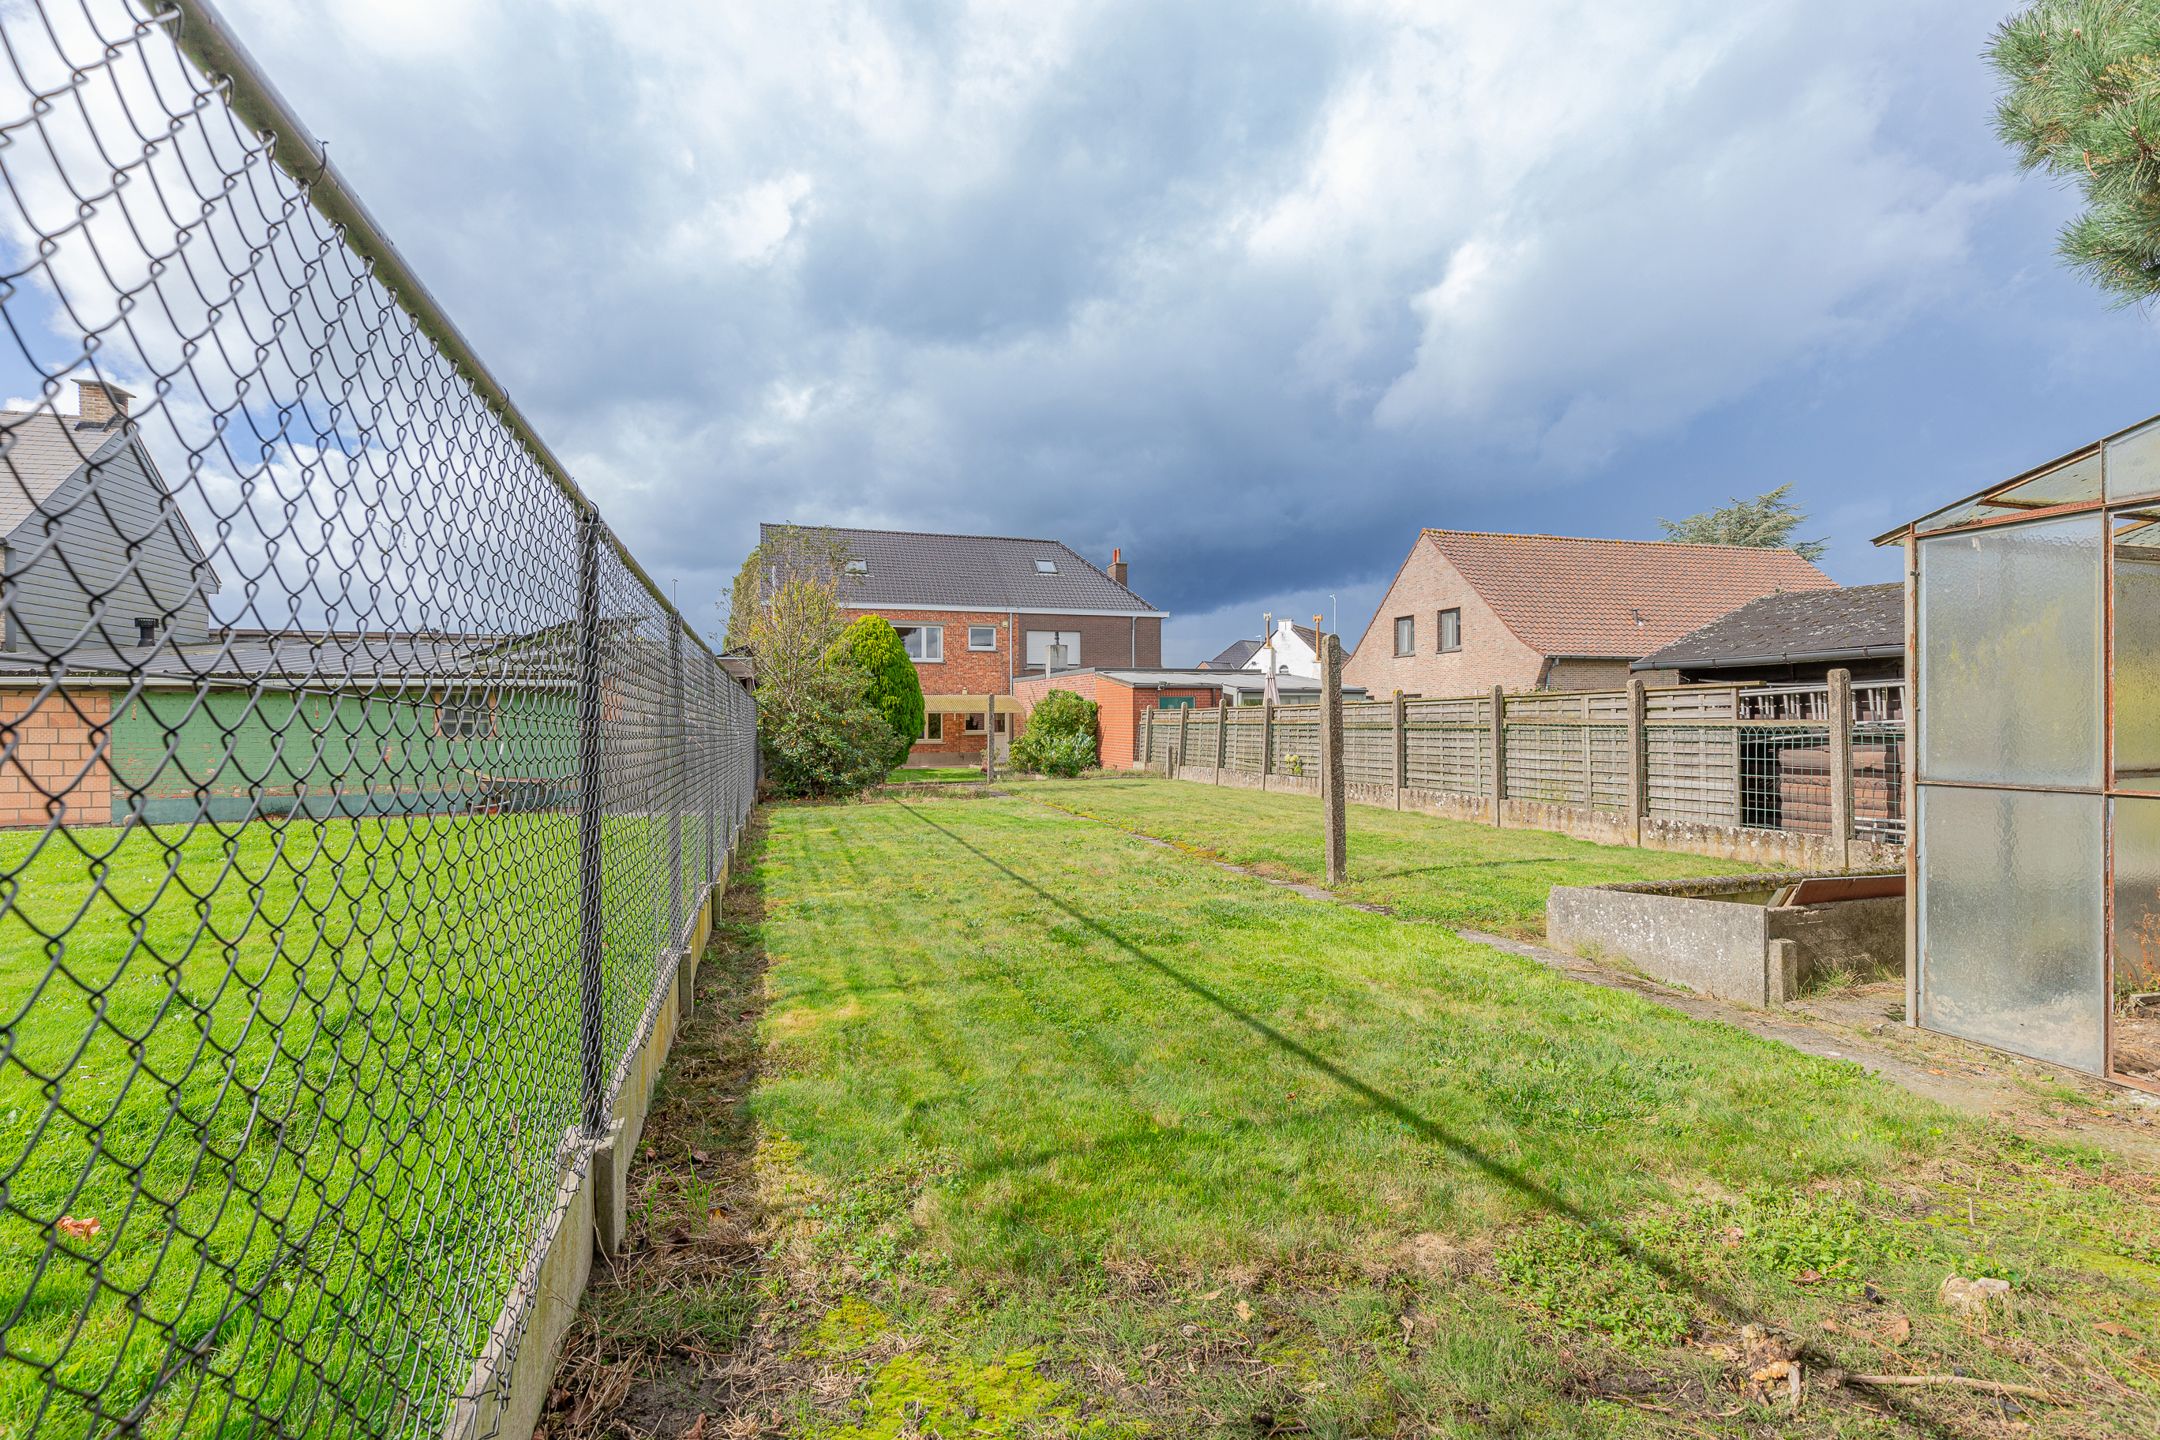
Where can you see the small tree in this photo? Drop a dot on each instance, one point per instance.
(874, 647)
(1060, 736)
(2081, 100)
(1766, 522)
(816, 728)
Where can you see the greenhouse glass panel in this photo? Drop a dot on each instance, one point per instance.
(2011, 941)
(2010, 649)
(2133, 464)
(2137, 649)
(2137, 939)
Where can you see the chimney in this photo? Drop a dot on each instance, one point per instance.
(1117, 565)
(99, 403)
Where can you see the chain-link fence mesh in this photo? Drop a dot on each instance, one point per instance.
(360, 793)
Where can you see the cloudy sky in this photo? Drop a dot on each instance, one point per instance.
(1251, 290)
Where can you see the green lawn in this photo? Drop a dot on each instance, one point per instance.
(1452, 871)
(329, 1064)
(934, 774)
(1056, 1132)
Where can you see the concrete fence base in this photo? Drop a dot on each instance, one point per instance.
(1793, 850)
(510, 1381)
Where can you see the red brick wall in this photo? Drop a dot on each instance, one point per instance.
(48, 749)
(1118, 705)
(1105, 641)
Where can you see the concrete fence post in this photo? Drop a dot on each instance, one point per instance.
(1267, 741)
(1499, 754)
(1184, 733)
(1402, 747)
(1222, 738)
(1638, 757)
(1331, 758)
(1841, 762)
(1146, 758)
(990, 736)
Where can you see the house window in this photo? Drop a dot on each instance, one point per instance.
(975, 722)
(925, 643)
(933, 726)
(1450, 630)
(465, 720)
(858, 567)
(146, 631)
(982, 637)
(1405, 634)
(1046, 567)
(1174, 702)
(1058, 649)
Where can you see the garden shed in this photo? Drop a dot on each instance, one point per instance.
(2033, 624)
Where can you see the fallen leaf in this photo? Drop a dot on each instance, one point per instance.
(1244, 1311)
(1808, 1277)
(1831, 1326)
(1893, 1329)
(2116, 1328)
(700, 1156)
(697, 1428)
(74, 1229)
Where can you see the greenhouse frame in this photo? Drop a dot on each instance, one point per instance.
(2033, 640)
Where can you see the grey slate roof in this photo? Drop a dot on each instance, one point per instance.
(1235, 657)
(1854, 624)
(910, 569)
(38, 452)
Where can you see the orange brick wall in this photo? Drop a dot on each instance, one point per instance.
(46, 750)
(1119, 707)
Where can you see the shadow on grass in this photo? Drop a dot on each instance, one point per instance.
(1725, 1306)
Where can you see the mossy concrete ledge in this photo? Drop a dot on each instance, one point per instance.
(510, 1380)
(1741, 937)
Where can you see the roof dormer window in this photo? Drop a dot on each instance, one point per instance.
(1045, 566)
(858, 567)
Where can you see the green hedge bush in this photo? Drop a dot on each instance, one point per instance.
(895, 692)
(1059, 738)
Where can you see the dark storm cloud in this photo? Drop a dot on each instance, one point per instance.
(1249, 290)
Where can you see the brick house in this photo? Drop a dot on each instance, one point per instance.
(978, 611)
(1469, 610)
(1123, 696)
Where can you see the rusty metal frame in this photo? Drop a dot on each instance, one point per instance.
(2108, 791)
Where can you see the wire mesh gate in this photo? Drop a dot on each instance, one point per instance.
(361, 791)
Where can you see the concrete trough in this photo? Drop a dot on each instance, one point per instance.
(1757, 939)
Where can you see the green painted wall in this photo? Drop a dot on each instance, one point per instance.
(231, 754)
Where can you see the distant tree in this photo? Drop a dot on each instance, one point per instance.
(816, 727)
(1766, 522)
(874, 647)
(2081, 101)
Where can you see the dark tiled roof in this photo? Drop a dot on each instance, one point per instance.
(1235, 657)
(1565, 596)
(1854, 624)
(39, 450)
(907, 569)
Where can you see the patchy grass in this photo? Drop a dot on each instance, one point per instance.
(1052, 1132)
(1452, 871)
(935, 775)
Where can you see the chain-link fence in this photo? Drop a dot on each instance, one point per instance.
(361, 794)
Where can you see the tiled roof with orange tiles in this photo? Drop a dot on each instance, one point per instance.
(1566, 596)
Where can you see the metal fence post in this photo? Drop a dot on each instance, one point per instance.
(1222, 736)
(1841, 762)
(1638, 757)
(1331, 758)
(591, 923)
(716, 779)
(1499, 753)
(678, 782)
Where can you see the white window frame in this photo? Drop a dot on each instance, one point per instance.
(1440, 624)
(987, 631)
(1401, 647)
(934, 641)
(1069, 639)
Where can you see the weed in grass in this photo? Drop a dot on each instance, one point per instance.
(920, 1394)
(849, 1326)
(1586, 1282)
